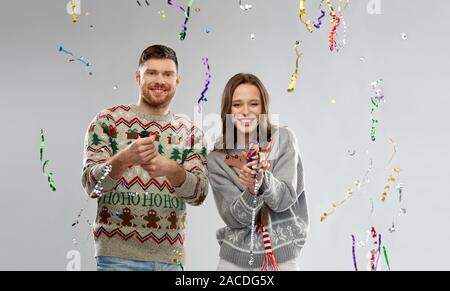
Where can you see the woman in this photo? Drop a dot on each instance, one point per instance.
(278, 199)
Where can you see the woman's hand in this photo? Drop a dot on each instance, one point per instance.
(248, 174)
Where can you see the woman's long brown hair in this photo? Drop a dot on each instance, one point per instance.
(227, 100)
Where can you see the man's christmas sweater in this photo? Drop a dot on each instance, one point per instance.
(140, 217)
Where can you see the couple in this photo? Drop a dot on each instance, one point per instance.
(143, 164)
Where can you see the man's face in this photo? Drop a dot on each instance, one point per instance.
(158, 80)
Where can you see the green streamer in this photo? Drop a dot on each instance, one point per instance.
(386, 257)
(51, 183)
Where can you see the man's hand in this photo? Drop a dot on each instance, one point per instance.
(160, 166)
(141, 151)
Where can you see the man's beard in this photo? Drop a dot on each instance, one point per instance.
(155, 101)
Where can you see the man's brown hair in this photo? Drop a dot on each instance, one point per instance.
(158, 52)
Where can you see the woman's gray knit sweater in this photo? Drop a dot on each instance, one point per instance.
(282, 191)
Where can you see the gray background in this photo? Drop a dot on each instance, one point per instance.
(41, 89)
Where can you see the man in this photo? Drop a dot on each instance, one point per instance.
(143, 164)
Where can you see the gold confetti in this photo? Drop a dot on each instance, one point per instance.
(295, 74)
(336, 205)
(303, 14)
(162, 14)
(387, 187)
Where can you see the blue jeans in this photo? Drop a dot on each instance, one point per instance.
(120, 264)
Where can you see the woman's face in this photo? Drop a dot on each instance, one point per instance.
(246, 106)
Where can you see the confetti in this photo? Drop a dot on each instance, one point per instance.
(336, 20)
(245, 7)
(354, 253)
(374, 253)
(362, 243)
(294, 76)
(340, 46)
(162, 14)
(303, 15)
(379, 96)
(378, 88)
(207, 82)
(387, 187)
(81, 59)
(330, 6)
(392, 228)
(349, 194)
(399, 188)
(146, 2)
(186, 19)
(378, 252)
(74, 11)
(186, 12)
(336, 205)
(86, 64)
(51, 183)
(386, 258)
(176, 5)
(77, 221)
(319, 20)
